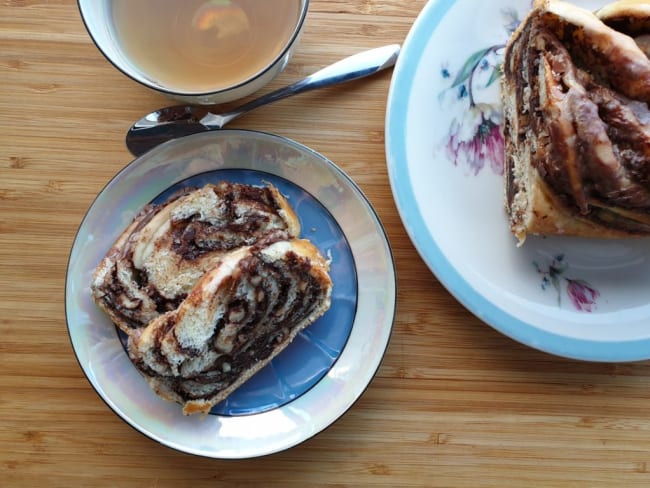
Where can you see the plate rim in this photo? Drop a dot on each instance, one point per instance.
(386, 328)
(421, 32)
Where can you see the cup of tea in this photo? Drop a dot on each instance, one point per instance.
(197, 51)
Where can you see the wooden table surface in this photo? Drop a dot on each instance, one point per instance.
(454, 403)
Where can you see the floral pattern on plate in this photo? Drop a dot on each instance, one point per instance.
(475, 138)
(582, 295)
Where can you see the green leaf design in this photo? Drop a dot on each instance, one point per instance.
(496, 73)
(469, 66)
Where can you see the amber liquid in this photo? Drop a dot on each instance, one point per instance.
(199, 46)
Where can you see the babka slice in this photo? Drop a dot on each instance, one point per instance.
(157, 260)
(238, 317)
(575, 94)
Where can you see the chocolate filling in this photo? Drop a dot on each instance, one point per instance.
(193, 238)
(117, 295)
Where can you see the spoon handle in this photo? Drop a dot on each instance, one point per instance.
(359, 65)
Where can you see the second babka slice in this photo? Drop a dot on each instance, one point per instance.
(239, 316)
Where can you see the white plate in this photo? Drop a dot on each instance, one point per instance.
(324, 370)
(578, 298)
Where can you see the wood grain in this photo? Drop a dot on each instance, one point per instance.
(454, 402)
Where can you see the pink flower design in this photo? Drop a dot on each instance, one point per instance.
(476, 138)
(582, 295)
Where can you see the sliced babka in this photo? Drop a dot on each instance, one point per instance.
(239, 316)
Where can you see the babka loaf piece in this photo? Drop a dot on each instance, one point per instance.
(157, 260)
(238, 317)
(575, 94)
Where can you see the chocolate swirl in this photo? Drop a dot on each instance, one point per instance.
(157, 260)
(576, 95)
(238, 316)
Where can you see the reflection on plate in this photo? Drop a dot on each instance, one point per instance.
(323, 371)
(578, 298)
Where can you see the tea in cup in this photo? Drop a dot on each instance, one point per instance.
(200, 51)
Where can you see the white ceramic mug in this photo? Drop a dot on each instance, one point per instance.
(107, 27)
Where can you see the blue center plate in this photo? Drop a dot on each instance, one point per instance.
(322, 373)
(313, 352)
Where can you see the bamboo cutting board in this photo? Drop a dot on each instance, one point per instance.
(454, 402)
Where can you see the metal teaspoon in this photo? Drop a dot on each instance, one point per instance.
(182, 120)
